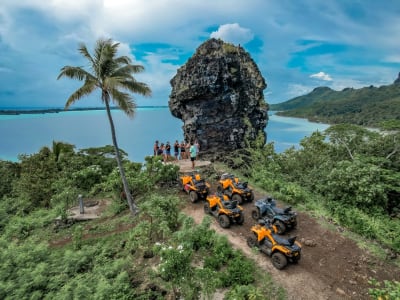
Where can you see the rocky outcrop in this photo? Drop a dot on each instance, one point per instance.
(218, 94)
(397, 81)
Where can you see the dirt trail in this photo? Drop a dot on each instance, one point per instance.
(331, 267)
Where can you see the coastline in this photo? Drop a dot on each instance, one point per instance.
(16, 111)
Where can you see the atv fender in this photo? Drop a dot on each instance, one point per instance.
(281, 218)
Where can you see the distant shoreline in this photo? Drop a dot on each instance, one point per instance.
(14, 111)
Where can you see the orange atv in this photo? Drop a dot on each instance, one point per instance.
(236, 190)
(280, 250)
(225, 210)
(195, 186)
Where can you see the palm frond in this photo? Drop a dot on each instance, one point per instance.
(128, 70)
(84, 51)
(123, 60)
(124, 101)
(74, 73)
(87, 88)
(136, 87)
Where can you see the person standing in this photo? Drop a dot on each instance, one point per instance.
(176, 150)
(155, 148)
(183, 150)
(167, 152)
(187, 147)
(161, 150)
(192, 151)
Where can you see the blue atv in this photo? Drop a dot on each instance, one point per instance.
(283, 219)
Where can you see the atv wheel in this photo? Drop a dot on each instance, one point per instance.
(255, 213)
(193, 196)
(279, 260)
(252, 241)
(224, 221)
(251, 198)
(207, 208)
(240, 220)
(280, 226)
(238, 198)
(180, 185)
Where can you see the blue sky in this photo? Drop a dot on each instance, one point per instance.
(297, 44)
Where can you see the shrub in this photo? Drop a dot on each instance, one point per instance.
(239, 271)
(390, 290)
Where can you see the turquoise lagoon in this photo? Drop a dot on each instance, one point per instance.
(27, 133)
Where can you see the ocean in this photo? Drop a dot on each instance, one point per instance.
(28, 133)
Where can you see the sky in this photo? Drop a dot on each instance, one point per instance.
(298, 45)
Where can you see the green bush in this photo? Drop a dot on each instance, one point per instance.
(390, 290)
(244, 292)
(196, 237)
(239, 271)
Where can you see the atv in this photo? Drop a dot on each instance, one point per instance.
(195, 186)
(283, 219)
(225, 210)
(281, 250)
(236, 190)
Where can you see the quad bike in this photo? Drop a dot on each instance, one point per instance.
(282, 219)
(281, 250)
(195, 186)
(236, 190)
(226, 211)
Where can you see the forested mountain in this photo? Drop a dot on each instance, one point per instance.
(368, 106)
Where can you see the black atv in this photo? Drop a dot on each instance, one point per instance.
(283, 219)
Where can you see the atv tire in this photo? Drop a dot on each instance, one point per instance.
(280, 226)
(238, 198)
(255, 214)
(251, 198)
(193, 196)
(252, 241)
(207, 208)
(279, 260)
(224, 221)
(240, 220)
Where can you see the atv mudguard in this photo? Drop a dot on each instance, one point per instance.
(282, 218)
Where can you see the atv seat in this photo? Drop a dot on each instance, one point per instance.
(281, 211)
(229, 204)
(282, 241)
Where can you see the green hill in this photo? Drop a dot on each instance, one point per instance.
(368, 106)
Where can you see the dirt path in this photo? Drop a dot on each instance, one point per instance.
(331, 267)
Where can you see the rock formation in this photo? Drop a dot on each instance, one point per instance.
(218, 94)
(397, 81)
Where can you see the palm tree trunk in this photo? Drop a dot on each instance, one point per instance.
(132, 207)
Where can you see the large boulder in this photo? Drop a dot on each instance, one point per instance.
(397, 81)
(218, 94)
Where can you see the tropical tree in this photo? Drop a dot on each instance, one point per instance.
(113, 76)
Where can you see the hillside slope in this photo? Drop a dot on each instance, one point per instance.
(368, 106)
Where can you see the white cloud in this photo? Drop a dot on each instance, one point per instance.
(321, 76)
(233, 33)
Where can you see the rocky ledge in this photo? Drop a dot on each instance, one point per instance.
(218, 94)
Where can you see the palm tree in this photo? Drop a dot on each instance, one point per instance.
(110, 74)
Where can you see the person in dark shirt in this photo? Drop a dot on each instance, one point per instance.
(183, 150)
(167, 151)
(176, 150)
(155, 148)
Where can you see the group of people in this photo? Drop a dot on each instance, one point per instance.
(182, 150)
